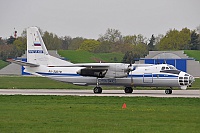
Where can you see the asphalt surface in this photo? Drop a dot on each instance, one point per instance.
(120, 93)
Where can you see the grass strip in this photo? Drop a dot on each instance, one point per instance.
(98, 114)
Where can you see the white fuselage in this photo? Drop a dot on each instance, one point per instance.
(150, 76)
(40, 63)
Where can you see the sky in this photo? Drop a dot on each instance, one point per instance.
(90, 18)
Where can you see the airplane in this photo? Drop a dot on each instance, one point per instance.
(40, 63)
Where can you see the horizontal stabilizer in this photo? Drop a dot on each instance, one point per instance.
(22, 63)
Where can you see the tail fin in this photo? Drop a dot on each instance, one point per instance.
(37, 52)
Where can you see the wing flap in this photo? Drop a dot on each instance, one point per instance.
(22, 63)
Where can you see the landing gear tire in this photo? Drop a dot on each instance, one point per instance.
(168, 91)
(128, 90)
(97, 90)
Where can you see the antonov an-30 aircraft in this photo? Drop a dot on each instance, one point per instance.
(40, 63)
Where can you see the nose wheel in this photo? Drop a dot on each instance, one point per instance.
(168, 91)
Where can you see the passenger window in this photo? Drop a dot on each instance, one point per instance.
(167, 67)
(163, 68)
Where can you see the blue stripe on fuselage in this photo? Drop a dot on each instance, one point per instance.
(57, 74)
(154, 75)
(134, 76)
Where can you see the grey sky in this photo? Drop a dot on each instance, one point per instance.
(89, 18)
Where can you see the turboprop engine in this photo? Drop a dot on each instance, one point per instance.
(115, 70)
(93, 72)
(118, 70)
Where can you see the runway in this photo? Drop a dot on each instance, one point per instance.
(119, 93)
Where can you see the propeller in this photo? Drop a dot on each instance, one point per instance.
(130, 69)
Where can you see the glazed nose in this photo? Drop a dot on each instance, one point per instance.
(186, 79)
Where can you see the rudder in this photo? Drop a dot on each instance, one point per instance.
(37, 52)
(36, 49)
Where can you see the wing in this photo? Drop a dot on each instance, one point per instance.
(93, 65)
(89, 65)
(90, 69)
(100, 70)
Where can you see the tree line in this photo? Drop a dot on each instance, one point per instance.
(132, 46)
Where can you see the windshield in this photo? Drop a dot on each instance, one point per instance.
(169, 67)
(172, 68)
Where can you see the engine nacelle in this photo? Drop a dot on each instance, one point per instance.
(115, 70)
(118, 70)
(92, 72)
(114, 74)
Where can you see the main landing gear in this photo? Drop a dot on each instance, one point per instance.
(168, 91)
(97, 89)
(128, 90)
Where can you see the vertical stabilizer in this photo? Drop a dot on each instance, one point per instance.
(37, 52)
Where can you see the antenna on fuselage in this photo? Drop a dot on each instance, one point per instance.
(165, 62)
(157, 62)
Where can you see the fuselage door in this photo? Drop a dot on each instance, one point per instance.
(148, 78)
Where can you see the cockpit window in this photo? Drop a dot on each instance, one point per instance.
(172, 68)
(168, 68)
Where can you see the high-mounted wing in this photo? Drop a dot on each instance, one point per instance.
(89, 65)
(92, 65)
(90, 69)
(100, 70)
